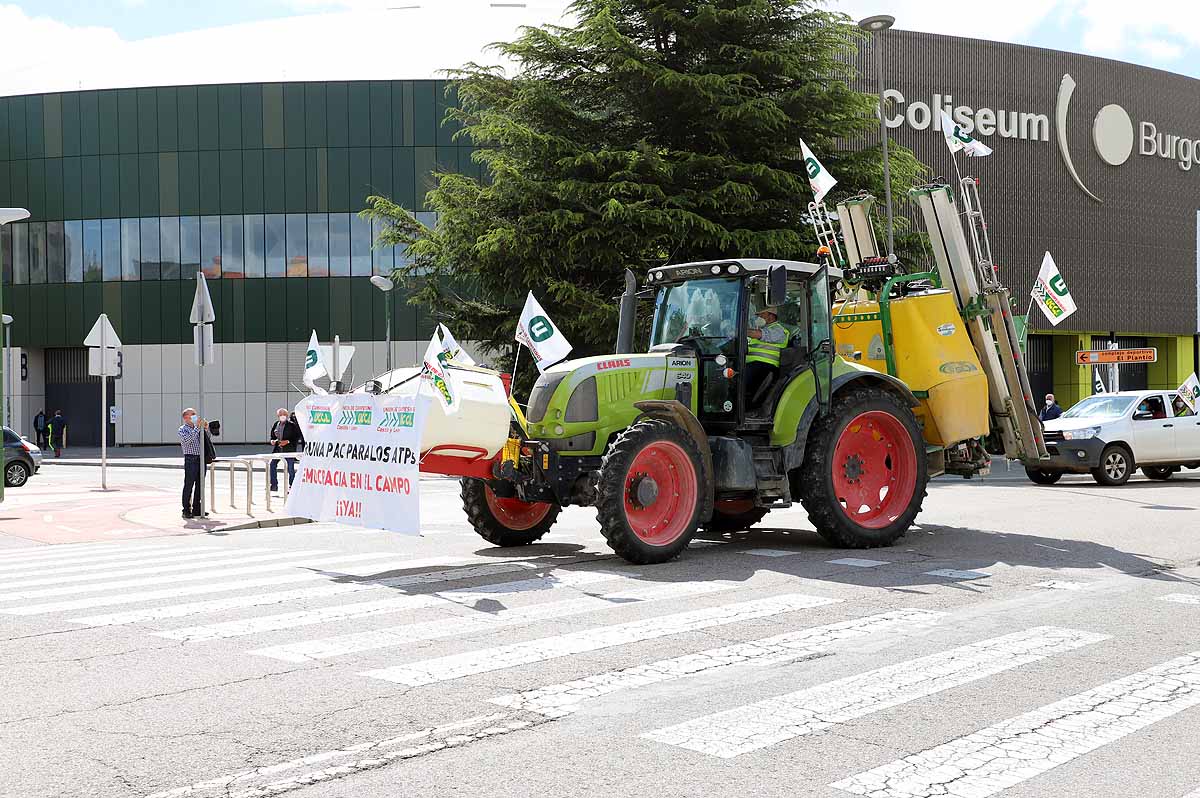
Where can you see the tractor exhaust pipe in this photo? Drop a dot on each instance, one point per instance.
(628, 318)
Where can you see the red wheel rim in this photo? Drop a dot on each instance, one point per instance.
(874, 469)
(675, 488)
(515, 513)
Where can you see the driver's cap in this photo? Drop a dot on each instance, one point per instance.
(769, 309)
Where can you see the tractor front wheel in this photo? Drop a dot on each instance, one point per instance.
(864, 472)
(650, 492)
(505, 522)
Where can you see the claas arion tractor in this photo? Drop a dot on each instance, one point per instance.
(885, 380)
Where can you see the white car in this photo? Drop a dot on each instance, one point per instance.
(1110, 435)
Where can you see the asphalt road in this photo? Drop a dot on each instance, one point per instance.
(1023, 641)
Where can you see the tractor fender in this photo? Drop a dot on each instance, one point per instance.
(793, 453)
(675, 411)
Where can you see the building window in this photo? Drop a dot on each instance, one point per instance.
(231, 247)
(318, 245)
(37, 252)
(20, 244)
(73, 242)
(56, 269)
(255, 252)
(168, 241)
(339, 244)
(151, 260)
(131, 249)
(276, 252)
(110, 249)
(297, 245)
(360, 246)
(382, 258)
(6, 251)
(189, 247)
(210, 246)
(92, 270)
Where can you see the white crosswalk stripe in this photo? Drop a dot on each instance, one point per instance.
(1182, 598)
(98, 560)
(363, 609)
(558, 700)
(766, 723)
(484, 621)
(143, 567)
(321, 591)
(195, 590)
(73, 553)
(1020, 748)
(492, 659)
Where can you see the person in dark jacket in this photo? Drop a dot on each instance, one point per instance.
(39, 429)
(57, 430)
(286, 438)
(1051, 410)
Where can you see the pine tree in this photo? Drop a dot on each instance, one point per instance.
(652, 132)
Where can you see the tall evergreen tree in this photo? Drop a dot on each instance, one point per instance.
(653, 131)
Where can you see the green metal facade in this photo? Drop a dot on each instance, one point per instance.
(101, 165)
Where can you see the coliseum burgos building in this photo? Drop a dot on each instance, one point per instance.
(134, 189)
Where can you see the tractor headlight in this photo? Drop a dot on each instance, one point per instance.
(1081, 434)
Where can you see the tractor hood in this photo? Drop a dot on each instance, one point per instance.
(614, 377)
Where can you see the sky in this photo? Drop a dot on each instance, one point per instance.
(55, 45)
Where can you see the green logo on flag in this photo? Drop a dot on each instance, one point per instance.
(540, 328)
(813, 167)
(310, 359)
(1058, 286)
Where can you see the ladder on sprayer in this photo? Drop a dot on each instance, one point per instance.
(987, 311)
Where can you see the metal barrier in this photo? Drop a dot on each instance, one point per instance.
(266, 460)
(233, 463)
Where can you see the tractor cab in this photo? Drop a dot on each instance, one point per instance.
(705, 310)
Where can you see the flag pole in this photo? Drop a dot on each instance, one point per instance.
(516, 360)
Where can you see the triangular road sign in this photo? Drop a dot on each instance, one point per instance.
(345, 353)
(103, 328)
(202, 306)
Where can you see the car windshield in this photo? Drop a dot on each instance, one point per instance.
(1100, 407)
(704, 309)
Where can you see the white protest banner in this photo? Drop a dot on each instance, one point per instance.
(1189, 392)
(957, 139)
(361, 461)
(818, 178)
(1050, 293)
(538, 333)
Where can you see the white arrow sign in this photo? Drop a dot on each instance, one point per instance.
(202, 306)
(103, 334)
(344, 353)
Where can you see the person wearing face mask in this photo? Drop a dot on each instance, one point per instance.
(192, 444)
(1051, 410)
(286, 438)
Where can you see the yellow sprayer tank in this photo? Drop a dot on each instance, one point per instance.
(933, 356)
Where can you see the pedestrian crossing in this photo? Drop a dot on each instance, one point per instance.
(433, 623)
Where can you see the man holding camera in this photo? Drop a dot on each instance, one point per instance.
(191, 440)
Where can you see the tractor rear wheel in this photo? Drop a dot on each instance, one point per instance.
(505, 522)
(651, 492)
(734, 515)
(864, 474)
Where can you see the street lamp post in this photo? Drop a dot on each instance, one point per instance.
(7, 216)
(878, 24)
(8, 389)
(386, 285)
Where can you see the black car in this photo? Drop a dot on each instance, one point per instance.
(21, 459)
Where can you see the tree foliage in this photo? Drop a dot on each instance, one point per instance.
(652, 132)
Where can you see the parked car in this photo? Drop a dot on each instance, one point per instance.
(22, 459)
(1110, 435)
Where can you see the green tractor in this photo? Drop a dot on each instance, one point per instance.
(677, 439)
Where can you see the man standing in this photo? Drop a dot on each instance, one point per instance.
(57, 431)
(765, 346)
(39, 429)
(193, 450)
(286, 437)
(1051, 410)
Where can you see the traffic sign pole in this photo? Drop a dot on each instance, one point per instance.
(201, 317)
(103, 410)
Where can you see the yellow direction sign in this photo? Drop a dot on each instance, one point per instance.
(1099, 357)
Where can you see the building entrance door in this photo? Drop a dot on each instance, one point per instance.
(72, 390)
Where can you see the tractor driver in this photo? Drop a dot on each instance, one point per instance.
(764, 346)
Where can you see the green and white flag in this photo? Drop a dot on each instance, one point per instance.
(818, 177)
(314, 366)
(435, 372)
(453, 349)
(1189, 392)
(538, 333)
(1097, 381)
(1050, 293)
(958, 139)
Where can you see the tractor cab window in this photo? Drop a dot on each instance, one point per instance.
(703, 311)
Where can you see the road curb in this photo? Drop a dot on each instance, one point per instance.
(265, 523)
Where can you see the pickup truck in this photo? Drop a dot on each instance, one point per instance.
(1111, 435)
